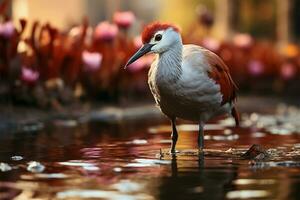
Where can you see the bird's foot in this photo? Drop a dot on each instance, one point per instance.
(200, 151)
(173, 152)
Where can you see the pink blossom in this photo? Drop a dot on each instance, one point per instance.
(243, 40)
(287, 71)
(105, 31)
(124, 19)
(142, 63)
(7, 29)
(92, 61)
(255, 67)
(138, 43)
(29, 75)
(211, 44)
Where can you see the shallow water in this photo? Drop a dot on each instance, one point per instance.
(80, 160)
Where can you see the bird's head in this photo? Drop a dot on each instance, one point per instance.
(157, 38)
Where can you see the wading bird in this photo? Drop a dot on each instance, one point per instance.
(187, 81)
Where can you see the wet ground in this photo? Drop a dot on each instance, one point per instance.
(83, 159)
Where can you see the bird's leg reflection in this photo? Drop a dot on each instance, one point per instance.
(174, 166)
(201, 137)
(201, 160)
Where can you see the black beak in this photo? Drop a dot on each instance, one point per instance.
(142, 51)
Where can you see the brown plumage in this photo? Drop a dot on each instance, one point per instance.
(220, 73)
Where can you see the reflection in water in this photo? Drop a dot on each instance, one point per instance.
(254, 181)
(123, 161)
(247, 194)
(100, 194)
(195, 178)
(4, 167)
(35, 167)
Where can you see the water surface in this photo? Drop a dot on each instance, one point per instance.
(67, 159)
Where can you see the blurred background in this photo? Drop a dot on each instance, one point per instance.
(53, 53)
(75, 125)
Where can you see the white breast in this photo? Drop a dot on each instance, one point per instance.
(191, 95)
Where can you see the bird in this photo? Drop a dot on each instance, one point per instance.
(187, 81)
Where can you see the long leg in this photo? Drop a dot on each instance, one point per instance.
(174, 135)
(201, 136)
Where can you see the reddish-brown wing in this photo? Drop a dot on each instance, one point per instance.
(219, 72)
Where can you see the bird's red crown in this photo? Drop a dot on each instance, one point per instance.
(152, 28)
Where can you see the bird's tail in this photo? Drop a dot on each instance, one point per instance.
(236, 116)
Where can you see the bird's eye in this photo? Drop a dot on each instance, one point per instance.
(158, 37)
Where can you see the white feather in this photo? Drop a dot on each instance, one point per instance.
(180, 84)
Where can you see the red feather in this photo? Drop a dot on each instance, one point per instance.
(152, 28)
(220, 74)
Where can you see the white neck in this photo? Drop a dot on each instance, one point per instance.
(169, 63)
